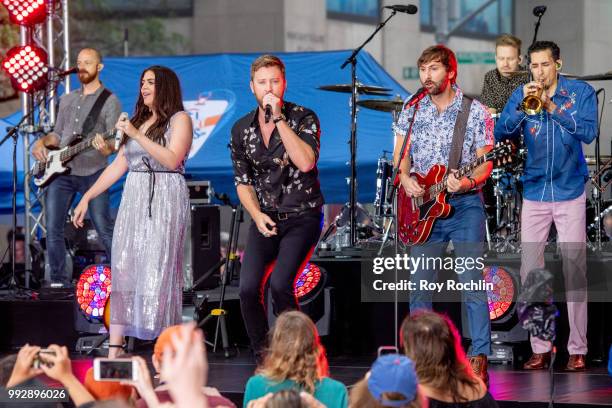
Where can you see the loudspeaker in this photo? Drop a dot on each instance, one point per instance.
(202, 246)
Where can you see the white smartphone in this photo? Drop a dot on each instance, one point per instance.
(115, 369)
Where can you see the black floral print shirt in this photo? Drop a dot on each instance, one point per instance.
(496, 89)
(279, 184)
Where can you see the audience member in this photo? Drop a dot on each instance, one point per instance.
(443, 371)
(391, 382)
(295, 359)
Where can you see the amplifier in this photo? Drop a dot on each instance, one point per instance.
(200, 191)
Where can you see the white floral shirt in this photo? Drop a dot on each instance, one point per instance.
(432, 132)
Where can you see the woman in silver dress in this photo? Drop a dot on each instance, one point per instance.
(149, 230)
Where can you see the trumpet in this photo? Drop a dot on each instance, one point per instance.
(532, 103)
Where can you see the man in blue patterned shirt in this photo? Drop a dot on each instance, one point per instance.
(430, 144)
(553, 185)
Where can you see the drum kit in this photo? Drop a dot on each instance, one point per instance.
(502, 194)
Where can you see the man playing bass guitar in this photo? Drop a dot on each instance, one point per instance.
(448, 127)
(88, 111)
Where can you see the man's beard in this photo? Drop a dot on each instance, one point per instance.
(438, 87)
(86, 77)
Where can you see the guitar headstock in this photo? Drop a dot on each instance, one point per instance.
(501, 153)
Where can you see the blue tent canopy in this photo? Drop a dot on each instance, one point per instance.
(216, 93)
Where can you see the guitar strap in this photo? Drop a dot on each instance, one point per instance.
(454, 157)
(94, 113)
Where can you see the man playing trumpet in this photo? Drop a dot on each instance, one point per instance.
(556, 116)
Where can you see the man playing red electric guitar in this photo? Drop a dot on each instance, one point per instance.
(433, 140)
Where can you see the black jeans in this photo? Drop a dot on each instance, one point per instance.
(278, 258)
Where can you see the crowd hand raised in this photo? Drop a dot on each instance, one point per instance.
(60, 368)
(23, 369)
(79, 213)
(411, 186)
(40, 151)
(454, 185)
(187, 368)
(144, 384)
(265, 225)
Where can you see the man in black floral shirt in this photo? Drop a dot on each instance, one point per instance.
(274, 157)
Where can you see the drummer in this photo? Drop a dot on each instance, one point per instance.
(499, 83)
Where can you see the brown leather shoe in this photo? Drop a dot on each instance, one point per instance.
(538, 361)
(576, 363)
(479, 367)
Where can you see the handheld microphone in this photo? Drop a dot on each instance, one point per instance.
(416, 97)
(539, 11)
(119, 133)
(409, 8)
(72, 70)
(268, 113)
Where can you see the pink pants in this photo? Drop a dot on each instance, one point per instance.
(570, 221)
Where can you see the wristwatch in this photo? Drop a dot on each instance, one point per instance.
(279, 118)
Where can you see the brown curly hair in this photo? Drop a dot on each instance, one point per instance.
(431, 340)
(295, 352)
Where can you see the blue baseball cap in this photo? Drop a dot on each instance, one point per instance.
(393, 373)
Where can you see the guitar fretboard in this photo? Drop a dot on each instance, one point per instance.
(84, 145)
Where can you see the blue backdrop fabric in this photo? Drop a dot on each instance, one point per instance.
(216, 93)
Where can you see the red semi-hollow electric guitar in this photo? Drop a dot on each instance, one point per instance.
(416, 215)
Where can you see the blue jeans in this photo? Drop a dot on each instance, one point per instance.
(59, 198)
(466, 229)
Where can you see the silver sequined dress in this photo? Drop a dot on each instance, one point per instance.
(147, 253)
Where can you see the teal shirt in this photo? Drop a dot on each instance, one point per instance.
(330, 392)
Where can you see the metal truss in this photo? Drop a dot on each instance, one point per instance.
(53, 36)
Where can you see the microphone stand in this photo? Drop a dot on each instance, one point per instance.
(13, 132)
(352, 59)
(395, 184)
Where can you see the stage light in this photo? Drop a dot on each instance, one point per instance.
(93, 290)
(501, 298)
(27, 68)
(307, 282)
(26, 12)
(313, 296)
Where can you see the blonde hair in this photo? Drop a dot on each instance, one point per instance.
(508, 40)
(295, 352)
(267, 60)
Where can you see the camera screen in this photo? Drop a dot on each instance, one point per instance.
(116, 369)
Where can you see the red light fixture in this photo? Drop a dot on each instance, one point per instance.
(93, 290)
(501, 298)
(27, 68)
(26, 12)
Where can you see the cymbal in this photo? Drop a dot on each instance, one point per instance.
(383, 105)
(590, 160)
(361, 88)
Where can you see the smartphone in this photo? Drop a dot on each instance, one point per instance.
(382, 350)
(41, 360)
(115, 369)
